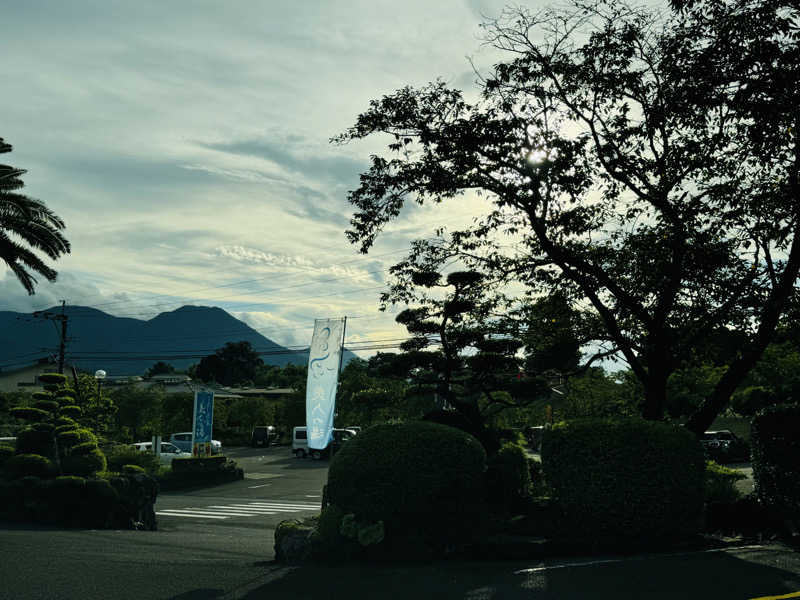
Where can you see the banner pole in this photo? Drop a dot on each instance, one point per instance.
(341, 348)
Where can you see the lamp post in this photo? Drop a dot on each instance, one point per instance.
(99, 375)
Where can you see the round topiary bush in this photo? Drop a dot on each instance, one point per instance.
(83, 465)
(22, 465)
(423, 480)
(630, 482)
(508, 478)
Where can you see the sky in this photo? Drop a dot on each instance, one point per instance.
(186, 146)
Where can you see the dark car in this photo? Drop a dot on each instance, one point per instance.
(725, 446)
(263, 435)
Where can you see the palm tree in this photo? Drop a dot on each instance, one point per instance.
(26, 226)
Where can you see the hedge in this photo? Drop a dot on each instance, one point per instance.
(775, 440)
(423, 480)
(122, 502)
(624, 482)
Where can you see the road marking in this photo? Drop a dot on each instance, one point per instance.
(254, 487)
(793, 595)
(251, 509)
(590, 563)
(313, 496)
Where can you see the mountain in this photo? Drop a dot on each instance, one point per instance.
(124, 346)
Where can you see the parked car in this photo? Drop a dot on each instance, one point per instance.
(183, 441)
(263, 435)
(725, 446)
(300, 443)
(169, 452)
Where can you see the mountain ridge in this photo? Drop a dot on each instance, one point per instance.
(129, 346)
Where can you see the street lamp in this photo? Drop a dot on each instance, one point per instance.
(99, 375)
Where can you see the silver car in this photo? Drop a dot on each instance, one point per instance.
(169, 452)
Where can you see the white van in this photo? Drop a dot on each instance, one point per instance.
(300, 442)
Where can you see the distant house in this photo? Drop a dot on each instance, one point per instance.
(25, 378)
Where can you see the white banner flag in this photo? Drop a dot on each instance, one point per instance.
(323, 377)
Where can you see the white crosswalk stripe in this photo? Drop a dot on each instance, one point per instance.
(249, 509)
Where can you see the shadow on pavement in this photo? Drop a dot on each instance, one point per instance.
(734, 574)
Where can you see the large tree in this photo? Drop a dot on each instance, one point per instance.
(621, 178)
(27, 226)
(235, 363)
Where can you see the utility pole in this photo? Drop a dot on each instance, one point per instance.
(62, 347)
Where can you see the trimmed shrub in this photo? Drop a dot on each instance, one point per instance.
(721, 484)
(53, 378)
(508, 478)
(128, 455)
(132, 470)
(31, 441)
(99, 503)
(28, 413)
(775, 439)
(68, 438)
(423, 480)
(83, 448)
(43, 427)
(6, 452)
(71, 411)
(624, 482)
(84, 465)
(198, 465)
(66, 498)
(22, 465)
(46, 405)
(60, 421)
(187, 472)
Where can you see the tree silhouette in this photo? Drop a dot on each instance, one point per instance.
(645, 167)
(27, 226)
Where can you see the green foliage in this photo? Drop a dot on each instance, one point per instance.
(84, 464)
(83, 448)
(775, 440)
(68, 438)
(234, 363)
(29, 413)
(213, 470)
(688, 388)
(596, 394)
(628, 481)
(31, 441)
(133, 469)
(46, 405)
(72, 411)
(57, 379)
(6, 452)
(749, 400)
(123, 455)
(140, 410)
(22, 465)
(198, 465)
(508, 479)
(423, 480)
(721, 484)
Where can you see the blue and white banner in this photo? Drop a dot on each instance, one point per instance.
(202, 423)
(323, 376)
